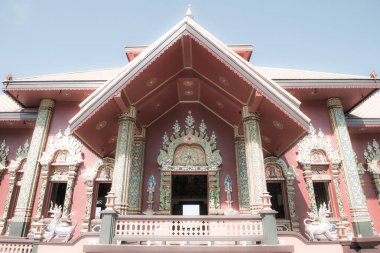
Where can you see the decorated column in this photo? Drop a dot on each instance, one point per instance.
(136, 174)
(241, 166)
(123, 159)
(358, 206)
(23, 212)
(69, 191)
(308, 175)
(254, 159)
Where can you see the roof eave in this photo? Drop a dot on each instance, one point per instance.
(30, 115)
(362, 122)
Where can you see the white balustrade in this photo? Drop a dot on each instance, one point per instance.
(8, 247)
(166, 228)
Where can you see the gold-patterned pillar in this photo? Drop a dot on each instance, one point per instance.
(44, 180)
(361, 219)
(292, 204)
(89, 197)
(22, 218)
(136, 174)
(308, 175)
(254, 159)
(336, 182)
(123, 157)
(213, 192)
(241, 165)
(165, 192)
(69, 191)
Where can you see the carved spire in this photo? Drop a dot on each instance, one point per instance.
(189, 13)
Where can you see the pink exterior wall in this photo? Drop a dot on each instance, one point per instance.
(62, 113)
(318, 113)
(359, 144)
(225, 143)
(316, 110)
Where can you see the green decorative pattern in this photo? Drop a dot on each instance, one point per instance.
(28, 188)
(189, 155)
(135, 181)
(358, 206)
(242, 175)
(255, 159)
(123, 160)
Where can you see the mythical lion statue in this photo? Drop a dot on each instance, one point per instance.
(319, 225)
(56, 228)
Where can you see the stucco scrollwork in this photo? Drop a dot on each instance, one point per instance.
(62, 142)
(372, 156)
(4, 152)
(21, 154)
(96, 170)
(310, 147)
(277, 169)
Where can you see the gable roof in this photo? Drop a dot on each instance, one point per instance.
(279, 96)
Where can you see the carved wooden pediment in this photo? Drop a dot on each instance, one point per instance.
(62, 149)
(189, 149)
(317, 149)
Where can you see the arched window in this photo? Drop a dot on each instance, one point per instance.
(320, 163)
(280, 178)
(16, 171)
(98, 180)
(59, 164)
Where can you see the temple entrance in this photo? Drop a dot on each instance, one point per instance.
(189, 194)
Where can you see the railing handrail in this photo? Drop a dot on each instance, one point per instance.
(189, 217)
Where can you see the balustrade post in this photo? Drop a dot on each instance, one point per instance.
(268, 216)
(108, 220)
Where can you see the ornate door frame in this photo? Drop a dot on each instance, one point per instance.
(189, 151)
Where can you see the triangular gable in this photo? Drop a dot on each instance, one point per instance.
(188, 26)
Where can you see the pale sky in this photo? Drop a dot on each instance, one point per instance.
(48, 36)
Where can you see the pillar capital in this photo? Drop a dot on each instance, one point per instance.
(334, 103)
(247, 115)
(46, 104)
(128, 116)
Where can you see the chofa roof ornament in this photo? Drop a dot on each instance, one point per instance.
(189, 13)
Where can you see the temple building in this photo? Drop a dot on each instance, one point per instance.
(190, 147)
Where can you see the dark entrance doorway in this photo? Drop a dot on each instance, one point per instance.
(189, 194)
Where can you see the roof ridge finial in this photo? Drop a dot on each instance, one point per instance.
(189, 13)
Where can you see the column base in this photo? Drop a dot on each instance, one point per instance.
(363, 228)
(18, 229)
(269, 227)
